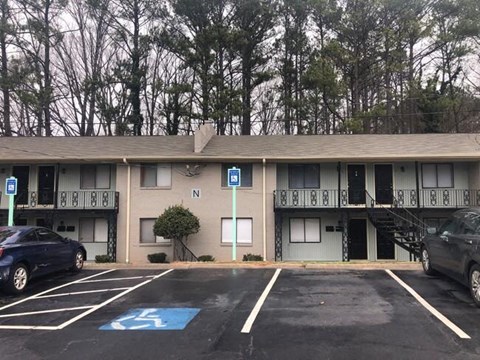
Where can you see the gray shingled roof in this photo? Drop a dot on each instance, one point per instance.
(348, 147)
(224, 148)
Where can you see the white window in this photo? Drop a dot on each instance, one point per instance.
(437, 175)
(146, 233)
(244, 231)
(95, 177)
(156, 175)
(305, 230)
(93, 230)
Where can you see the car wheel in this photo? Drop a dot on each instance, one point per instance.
(426, 262)
(474, 283)
(18, 279)
(78, 261)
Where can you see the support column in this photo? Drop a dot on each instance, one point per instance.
(112, 237)
(278, 236)
(345, 219)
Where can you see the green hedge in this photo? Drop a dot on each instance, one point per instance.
(157, 258)
(252, 257)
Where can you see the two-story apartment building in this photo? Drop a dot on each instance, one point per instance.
(326, 198)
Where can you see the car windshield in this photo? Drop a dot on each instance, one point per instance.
(9, 235)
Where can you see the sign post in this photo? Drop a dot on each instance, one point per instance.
(233, 182)
(11, 191)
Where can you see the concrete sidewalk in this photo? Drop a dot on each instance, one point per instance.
(352, 265)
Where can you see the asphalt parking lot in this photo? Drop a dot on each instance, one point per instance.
(240, 314)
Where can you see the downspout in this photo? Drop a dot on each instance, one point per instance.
(264, 209)
(127, 229)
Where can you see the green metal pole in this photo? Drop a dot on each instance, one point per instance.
(234, 223)
(10, 209)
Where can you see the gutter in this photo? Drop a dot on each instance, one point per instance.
(127, 227)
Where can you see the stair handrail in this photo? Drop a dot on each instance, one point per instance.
(372, 200)
(186, 254)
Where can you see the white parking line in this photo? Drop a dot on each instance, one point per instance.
(81, 292)
(114, 279)
(53, 289)
(253, 315)
(76, 318)
(459, 332)
(91, 308)
(45, 311)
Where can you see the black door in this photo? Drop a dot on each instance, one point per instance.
(356, 184)
(22, 173)
(46, 184)
(383, 184)
(357, 243)
(385, 248)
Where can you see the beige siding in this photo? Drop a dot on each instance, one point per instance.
(214, 204)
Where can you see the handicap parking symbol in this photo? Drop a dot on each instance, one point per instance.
(153, 319)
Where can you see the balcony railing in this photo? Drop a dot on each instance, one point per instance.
(306, 198)
(409, 198)
(71, 200)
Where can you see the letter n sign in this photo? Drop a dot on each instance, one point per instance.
(233, 177)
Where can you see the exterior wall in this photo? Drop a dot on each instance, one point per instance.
(474, 175)
(328, 249)
(214, 204)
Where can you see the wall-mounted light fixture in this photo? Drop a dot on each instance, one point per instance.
(402, 168)
(64, 171)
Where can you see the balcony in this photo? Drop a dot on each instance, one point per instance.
(68, 200)
(408, 198)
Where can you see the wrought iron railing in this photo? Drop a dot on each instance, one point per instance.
(306, 198)
(182, 253)
(405, 198)
(397, 224)
(81, 199)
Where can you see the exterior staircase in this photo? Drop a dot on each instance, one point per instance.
(396, 224)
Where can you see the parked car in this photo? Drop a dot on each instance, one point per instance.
(30, 251)
(453, 250)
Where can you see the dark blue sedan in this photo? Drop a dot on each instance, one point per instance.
(30, 251)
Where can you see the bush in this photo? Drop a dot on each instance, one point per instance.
(252, 257)
(103, 259)
(157, 257)
(206, 258)
(176, 223)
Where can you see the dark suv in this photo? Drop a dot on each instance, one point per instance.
(453, 250)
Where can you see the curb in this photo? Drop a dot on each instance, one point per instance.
(262, 265)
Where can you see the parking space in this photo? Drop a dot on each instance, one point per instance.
(241, 314)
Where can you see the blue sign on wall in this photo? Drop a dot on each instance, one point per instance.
(234, 177)
(153, 319)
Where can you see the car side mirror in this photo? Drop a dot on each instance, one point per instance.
(431, 230)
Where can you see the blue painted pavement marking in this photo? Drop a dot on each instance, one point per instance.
(153, 319)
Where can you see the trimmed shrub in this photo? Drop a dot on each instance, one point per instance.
(252, 257)
(157, 257)
(176, 223)
(206, 258)
(102, 259)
